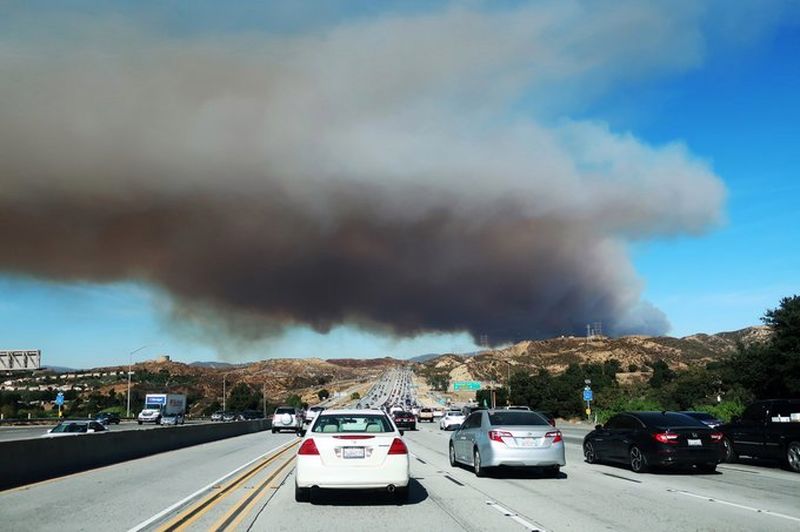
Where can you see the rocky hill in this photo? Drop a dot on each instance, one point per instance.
(634, 353)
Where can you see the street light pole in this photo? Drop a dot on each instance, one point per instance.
(130, 363)
(224, 395)
(508, 382)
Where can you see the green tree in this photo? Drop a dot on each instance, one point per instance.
(355, 396)
(213, 407)
(485, 397)
(294, 400)
(242, 397)
(323, 394)
(770, 369)
(662, 374)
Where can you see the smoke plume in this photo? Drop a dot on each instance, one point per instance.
(383, 173)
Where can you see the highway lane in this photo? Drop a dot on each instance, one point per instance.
(585, 497)
(120, 496)
(36, 431)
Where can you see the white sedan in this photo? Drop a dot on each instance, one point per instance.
(451, 420)
(352, 449)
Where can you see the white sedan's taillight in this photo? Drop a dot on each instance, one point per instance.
(398, 447)
(308, 447)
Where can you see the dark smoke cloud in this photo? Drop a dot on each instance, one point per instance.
(350, 178)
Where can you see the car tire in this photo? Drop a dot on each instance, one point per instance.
(401, 494)
(729, 455)
(793, 456)
(589, 453)
(274, 431)
(140, 422)
(477, 464)
(707, 468)
(452, 455)
(637, 460)
(302, 494)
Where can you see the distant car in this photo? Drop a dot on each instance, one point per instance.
(312, 413)
(405, 420)
(452, 419)
(230, 416)
(286, 418)
(248, 415)
(490, 438)
(703, 417)
(217, 416)
(517, 407)
(426, 414)
(173, 419)
(74, 427)
(352, 449)
(107, 418)
(647, 439)
(438, 412)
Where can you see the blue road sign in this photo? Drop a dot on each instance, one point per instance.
(587, 394)
(60, 398)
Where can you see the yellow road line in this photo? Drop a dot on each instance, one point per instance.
(186, 518)
(246, 503)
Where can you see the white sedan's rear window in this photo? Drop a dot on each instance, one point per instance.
(343, 423)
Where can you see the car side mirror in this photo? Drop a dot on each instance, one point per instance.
(598, 427)
(402, 432)
(301, 433)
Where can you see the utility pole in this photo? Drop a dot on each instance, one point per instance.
(224, 395)
(508, 384)
(130, 363)
(264, 397)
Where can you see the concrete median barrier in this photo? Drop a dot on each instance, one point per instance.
(26, 461)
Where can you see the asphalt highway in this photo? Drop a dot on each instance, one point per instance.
(246, 483)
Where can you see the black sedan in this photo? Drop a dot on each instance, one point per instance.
(648, 439)
(107, 418)
(405, 420)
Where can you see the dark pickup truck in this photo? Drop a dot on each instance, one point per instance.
(766, 429)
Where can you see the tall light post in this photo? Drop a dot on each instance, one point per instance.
(224, 391)
(508, 383)
(130, 363)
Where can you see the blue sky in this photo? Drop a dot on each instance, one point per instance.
(734, 106)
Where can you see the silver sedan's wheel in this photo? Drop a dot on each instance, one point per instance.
(452, 455)
(589, 453)
(637, 460)
(477, 466)
(793, 456)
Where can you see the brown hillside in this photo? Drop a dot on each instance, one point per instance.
(558, 353)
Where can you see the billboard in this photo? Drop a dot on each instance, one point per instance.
(20, 359)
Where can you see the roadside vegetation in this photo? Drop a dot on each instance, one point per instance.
(722, 388)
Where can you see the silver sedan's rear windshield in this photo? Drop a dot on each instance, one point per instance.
(516, 417)
(355, 423)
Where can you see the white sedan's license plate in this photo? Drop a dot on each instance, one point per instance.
(528, 442)
(353, 452)
(695, 442)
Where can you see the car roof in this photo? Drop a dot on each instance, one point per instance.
(657, 418)
(352, 411)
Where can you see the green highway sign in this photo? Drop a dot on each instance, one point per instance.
(466, 385)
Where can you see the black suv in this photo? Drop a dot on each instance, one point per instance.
(766, 429)
(107, 418)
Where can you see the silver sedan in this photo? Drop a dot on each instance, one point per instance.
(490, 438)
